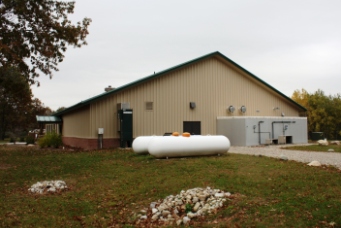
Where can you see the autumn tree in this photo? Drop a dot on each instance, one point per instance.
(35, 34)
(301, 97)
(323, 112)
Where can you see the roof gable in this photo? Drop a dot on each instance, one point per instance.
(164, 72)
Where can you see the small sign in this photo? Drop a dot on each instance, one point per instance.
(100, 131)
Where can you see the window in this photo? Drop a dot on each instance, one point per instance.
(149, 105)
(193, 127)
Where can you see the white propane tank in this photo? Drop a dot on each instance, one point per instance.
(140, 144)
(171, 146)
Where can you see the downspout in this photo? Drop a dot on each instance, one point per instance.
(259, 130)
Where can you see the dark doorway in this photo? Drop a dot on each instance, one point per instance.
(193, 127)
(126, 127)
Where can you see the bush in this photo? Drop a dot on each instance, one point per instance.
(30, 139)
(12, 137)
(22, 136)
(51, 139)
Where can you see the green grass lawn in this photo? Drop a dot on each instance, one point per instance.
(319, 148)
(109, 187)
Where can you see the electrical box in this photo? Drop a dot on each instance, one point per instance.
(268, 141)
(100, 131)
(123, 106)
(282, 139)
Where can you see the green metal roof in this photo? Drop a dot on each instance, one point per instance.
(48, 119)
(159, 74)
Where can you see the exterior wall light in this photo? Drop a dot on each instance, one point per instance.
(192, 105)
(231, 108)
(243, 109)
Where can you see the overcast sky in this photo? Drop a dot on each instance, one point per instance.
(290, 44)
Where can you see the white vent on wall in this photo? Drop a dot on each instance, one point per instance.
(123, 106)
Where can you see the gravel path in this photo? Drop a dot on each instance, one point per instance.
(326, 158)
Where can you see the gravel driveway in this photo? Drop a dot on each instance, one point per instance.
(326, 158)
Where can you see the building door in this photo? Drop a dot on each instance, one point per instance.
(193, 127)
(126, 127)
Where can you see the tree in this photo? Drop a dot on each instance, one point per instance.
(59, 109)
(18, 108)
(301, 97)
(15, 99)
(323, 112)
(38, 31)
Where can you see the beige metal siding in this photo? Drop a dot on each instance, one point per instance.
(76, 124)
(212, 84)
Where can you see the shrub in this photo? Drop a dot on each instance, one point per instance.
(12, 137)
(30, 139)
(51, 139)
(22, 136)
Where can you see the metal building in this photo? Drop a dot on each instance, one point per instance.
(194, 96)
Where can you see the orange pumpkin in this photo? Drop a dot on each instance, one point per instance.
(175, 133)
(186, 134)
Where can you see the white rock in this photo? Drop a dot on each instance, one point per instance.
(155, 217)
(202, 201)
(195, 199)
(200, 212)
(283, 157)
(48, 186)
(52, 189)
(314, 163)
(322, 142)
(162, 207)
(154, 210)
(202, 197)
(191, 215)
(165, 213)
(143, 211)
(186, 220)
(330, 150)
(196, 206)
(143, 217)
(219, 195)
(178, 202)
(335, 143)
